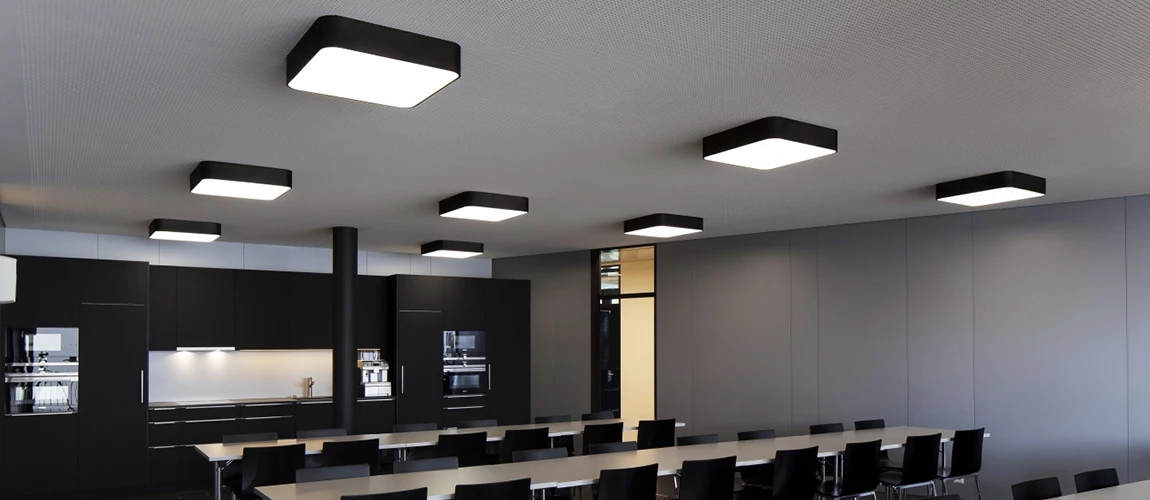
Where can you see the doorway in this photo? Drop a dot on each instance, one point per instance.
(624, 340)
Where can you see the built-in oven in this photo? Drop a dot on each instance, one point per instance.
(464, 380)
(464, 344)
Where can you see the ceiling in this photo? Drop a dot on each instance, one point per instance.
(593, 109)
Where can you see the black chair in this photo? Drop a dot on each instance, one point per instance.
(919, 466)
(364, 451)
(329, 473)
(416, 494)
(795, 472)
(601, 433)
(250, 438)
(470, 449)
(628, 484)
(759, 476)
(966, 459)
(425, 464)
(554, 419)
(536, 455)
(656, 434)
(429, 426)
(759, 434)
(567, 442)
(523, 439)
(1096, 480)
(698, 439)
(707, 479)
(320, 433)
(1037, 489)
(601, 448)
(860, 472)
(506, 490)
(599, 415)
(864, 425)
(472, 424)
(827, 428)
(265, 466)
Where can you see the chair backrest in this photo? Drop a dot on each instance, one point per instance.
(698, 439)
(601, 433)
(470, 449)
(628, 484)
(553, 419)
(250, 438)
(328, 473)
(656, 433)
(265, 466)
(759, 434)
(472, 424)
(320, 433)
(599, 415)
(827, 428)
(425, 464)
(861, 467)
(364, 451)
(416, 494)
(601, 448)
(1037, 489)
(506, 490)
(707, 479)
(1096, 480)
(523, 439)
(966, 457)
(540, 454)
(862, 425)
(920, 459)
(795, 472)
(429, 426)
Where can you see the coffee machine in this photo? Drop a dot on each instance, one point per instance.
(373, 374)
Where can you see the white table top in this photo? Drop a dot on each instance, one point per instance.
(584, 470)
(219, 452)
(1133, 491)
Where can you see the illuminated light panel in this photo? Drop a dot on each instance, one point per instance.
(663, 225)
(451, 249)
(204, 349)
(769, 143)
(489, 207)
(234, 180)
(184, 230)
(989, 189)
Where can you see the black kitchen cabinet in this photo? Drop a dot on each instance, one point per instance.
(464, 303)
(282, 426)
(162, 305)
(374, 416)
(311, 415)
(209, 431)
(113, 282)
(311, 311)
(40, 455)
(206, 307)
(419, 293)
(370, 312)
(113, 416)
(263, 320)
(509, 350)
(164, 465)
(418, 382)
(48, 293)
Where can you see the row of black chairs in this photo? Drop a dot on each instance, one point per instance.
(1049, 487)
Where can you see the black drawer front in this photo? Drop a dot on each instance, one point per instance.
(164, 434)
(165, 414)
(164, 465)
(284, 427)
(267, 410)
(211, 412)
(209, 431)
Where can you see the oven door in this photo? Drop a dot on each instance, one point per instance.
(464, 380)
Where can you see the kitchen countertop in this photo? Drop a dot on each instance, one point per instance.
(246, 401)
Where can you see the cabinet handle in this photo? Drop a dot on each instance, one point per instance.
(402, 380)
(141, 386)
(489, 377)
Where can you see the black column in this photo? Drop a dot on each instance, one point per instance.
(345, 380)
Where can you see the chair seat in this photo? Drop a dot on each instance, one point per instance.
(830, 489)
(888, 464)
(891, 477)
(947, 474)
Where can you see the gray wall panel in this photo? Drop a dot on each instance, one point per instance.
(804, 330)
(1050, 340)
(1138, 328)
(674, 385)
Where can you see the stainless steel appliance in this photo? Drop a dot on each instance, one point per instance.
(373, 374)
(461, 344)
(42, 370)
(460, 380)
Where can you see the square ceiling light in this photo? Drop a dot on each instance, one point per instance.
(489, 207)
(234, 180)
(771, 142)
(663, 225)
(999, 187)
(451, 249)
(357, 60)
(184, 230)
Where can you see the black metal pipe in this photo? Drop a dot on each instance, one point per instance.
(344, 379)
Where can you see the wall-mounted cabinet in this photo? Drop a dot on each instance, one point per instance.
(311, 311)
(262, 315)
(206, 307)
(162, 307)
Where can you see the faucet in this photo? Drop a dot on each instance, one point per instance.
(308, 383)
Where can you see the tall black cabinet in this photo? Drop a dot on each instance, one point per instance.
(509, 350)
(417, 340)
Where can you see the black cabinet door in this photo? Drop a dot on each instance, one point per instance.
(283, 426)
(263, 318)
(164, 465)
(374, 416)
(419, 360)
(113, 282)
(370, 312)
(419, 293)
(113, 417)
(162, 308)
(311, 415)
(40, 455)
(206, 307)
(465, 303)
(509, 350)
(311, 311)
(47, 293)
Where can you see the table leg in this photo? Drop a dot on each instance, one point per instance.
(218, 468)
(942, 449)
(836, 465)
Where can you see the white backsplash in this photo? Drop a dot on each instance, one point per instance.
(202, 376)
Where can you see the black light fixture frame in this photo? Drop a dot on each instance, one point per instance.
(451, 245)
(771, 127)
(996, 180)
(485, 200)
(184, 226)
(240, 173)
(672, 220)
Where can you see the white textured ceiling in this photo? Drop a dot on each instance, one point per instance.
(593, 109)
